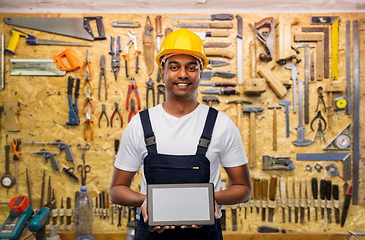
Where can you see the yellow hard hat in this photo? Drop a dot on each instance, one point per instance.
(182, 41)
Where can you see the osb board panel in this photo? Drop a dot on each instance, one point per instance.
(44, 113)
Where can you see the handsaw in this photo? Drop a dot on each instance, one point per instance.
(71, 27)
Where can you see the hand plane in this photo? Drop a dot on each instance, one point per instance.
(277, 163)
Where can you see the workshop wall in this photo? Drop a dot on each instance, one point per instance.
(44, 111)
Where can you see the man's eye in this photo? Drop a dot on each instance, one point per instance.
(193, 68)
(173, 67)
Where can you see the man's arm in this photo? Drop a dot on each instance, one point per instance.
(240, 186)
(120, 191)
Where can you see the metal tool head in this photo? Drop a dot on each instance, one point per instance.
(253, 109)
(285, 103)
(209, 98)
(133, 80)
(102, 61)
(132, 40)
(239, 101)
(304, 46)
(274, 107)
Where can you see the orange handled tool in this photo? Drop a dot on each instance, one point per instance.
(61, 65)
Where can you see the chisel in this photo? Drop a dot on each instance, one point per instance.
(346, 205)
(336, 202)
(315, 195)
(329, 201)
(283, 196)
(290, 196)
(272, 195)
(296, 198)
(264, 188)
(309, 197)
(234, 217)
(62, 212)
(303, 197)
(323, 191)
(257, 192)
(252, 200)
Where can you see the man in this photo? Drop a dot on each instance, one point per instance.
(169, 144)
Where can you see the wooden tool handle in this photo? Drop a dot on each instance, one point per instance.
(309, 188)
(273, 81)
(303, 189)
(252, 186)
(221, 25)
(282, 188)
(264, 188)
(158, 26)
(266, 22)
(219, 53)
(329, 190)
(315, 188)
(296, 188)
(11, 110)
(253, 58)
(290, 188)
(274, 131)
(239, 116)
(252, 161)
(273, 187)
(216, 33)
(257, 188)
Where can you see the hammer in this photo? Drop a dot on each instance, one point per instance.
(209, 99)
(274, 128)
(239, 107)
(253, 111)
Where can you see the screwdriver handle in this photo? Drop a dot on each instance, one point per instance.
(329, 190)
(16, 146)
(290, 188)
(257, 188)
(315, 188)
(282, 189)
(252, 187)
(303, 188)
(309, 188)
(323, 189)
(336, 193)
(264, 188)
(296, 188)
(273, 187)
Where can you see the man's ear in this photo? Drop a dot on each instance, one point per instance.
(162, 74)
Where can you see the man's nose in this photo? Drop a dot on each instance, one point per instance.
(183, 74)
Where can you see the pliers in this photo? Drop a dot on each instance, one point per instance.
(88, 124)
(132, 40)
(319, 116)
(116, 110)
(133, 86)
(87, 63)
(133, 110)
(88, 101)
(87, 81)
(320, 98)
(150, 86)
(103, 113)
(161, 91)
(115, 56)
(102, 73)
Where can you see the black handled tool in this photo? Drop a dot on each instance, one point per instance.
(346, 205)
(336, 197)
(329, 201)
(323, 191)
(315, 195)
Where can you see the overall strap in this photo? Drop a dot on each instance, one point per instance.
(149, 136)
(204, 140)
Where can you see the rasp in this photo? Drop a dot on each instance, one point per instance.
(290, 196)
(336, 202)
(224, 25)
(315, 195)
(272, 195)
(264, 188)
(296, 198)
(303, 197)
(239, 48)
(220, 17)
(283, 196)
(257, 194)
(329, 200)
(323, 190)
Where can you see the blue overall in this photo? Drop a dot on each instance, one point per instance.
(166, 169)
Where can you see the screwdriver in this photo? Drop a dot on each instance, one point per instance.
(257, 189)
(16, 145)
(323, 191)
(309, 197)
(296, 198)
(315, 195)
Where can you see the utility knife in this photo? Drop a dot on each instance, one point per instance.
(221, 91)
(218, 84)
(208, 75)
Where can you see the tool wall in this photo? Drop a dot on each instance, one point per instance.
(38, 109)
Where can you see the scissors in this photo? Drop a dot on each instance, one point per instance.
(83, 168)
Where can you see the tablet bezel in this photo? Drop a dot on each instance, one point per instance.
(210, 203)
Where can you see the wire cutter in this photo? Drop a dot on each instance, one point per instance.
(103, 113)
(115, 56)
(132, 40)
(88, 101)
(133, 86)
(102, 73)
(319, 116)
(87, 64)
(320, 98)
(133, 110)
(150, 86)
(116, 110)
(88, 124)
(87, 82)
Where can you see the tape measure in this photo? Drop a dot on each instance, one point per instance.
(340, 103)
(342, 141)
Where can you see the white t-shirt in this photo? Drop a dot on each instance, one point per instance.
(180, 136)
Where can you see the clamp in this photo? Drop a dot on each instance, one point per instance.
(133, 110)
(132, 40)
(116, 110)
(88, 101)
(88, 124)
(103, 113)
(133, 86)
(161, 91)
(102, 73)
(150, 84)
(73, 109)
(319, 116)
(115, 56)
(320, 98)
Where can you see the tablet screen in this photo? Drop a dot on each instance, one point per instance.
(180, 204)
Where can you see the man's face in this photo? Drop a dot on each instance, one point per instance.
(181, 75)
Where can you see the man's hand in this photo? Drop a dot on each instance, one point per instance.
(158, 229)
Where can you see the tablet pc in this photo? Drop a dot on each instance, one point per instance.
(180, 204)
